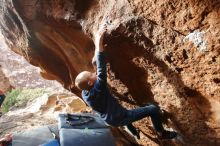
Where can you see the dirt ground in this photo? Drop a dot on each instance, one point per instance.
(41, 111)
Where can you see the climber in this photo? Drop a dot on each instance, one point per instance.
(6, 140)
(97, 95)
(2, 98)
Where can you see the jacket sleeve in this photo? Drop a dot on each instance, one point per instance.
(101, 66)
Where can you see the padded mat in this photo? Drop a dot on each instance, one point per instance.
(33, 137)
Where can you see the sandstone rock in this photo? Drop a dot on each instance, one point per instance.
(63, 103)
(158, 51)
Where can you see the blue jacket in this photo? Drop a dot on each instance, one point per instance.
(99, 97)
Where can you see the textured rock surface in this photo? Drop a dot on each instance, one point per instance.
(160, 51)
(5, 83)
(20, 74)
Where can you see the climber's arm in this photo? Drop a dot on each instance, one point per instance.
(99, 58)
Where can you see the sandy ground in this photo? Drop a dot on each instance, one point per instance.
(41, 111)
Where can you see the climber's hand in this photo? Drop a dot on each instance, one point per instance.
(99, 38)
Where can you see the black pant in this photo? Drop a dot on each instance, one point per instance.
(142, 112)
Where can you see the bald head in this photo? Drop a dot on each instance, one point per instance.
(85, 80)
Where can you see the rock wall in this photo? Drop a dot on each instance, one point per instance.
(160, 51)
(5, 83)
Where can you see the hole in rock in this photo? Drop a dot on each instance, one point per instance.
(214, 59)
(185, 56)
(216, 80)
(168, 58)
(178, 69)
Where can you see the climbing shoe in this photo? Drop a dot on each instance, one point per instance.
(168, 134)
(133, 131)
